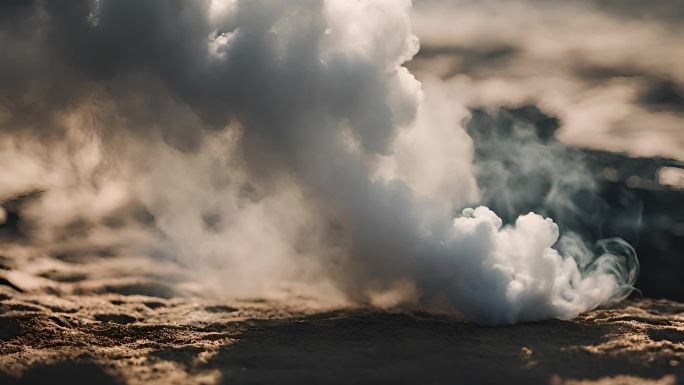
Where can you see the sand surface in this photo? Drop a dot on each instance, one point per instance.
(68, 321)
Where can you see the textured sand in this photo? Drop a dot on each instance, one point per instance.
(104, 322)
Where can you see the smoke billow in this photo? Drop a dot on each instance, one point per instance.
(268, 140)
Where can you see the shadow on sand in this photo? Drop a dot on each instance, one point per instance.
(374, 347)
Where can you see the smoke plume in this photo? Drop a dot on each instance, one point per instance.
(268, 140)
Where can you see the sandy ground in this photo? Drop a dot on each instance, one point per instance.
(63, 321)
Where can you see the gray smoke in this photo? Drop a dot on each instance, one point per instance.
(265, 140)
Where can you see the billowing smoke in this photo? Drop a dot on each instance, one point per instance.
(264, 140)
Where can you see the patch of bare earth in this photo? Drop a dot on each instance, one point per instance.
(70, 323)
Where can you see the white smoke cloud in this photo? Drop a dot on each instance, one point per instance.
(271, 140)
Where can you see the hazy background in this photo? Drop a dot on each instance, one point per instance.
(610, 70)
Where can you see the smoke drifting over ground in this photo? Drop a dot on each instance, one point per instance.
(271, 140)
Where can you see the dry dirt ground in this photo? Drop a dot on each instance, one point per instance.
(65, 321)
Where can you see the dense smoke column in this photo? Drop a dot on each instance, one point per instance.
(317, 92)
